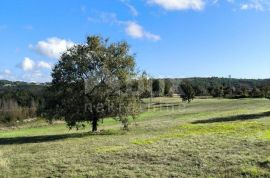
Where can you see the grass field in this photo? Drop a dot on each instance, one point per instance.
(207, 138)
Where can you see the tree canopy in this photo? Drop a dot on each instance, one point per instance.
(92, 81)
(186, 91)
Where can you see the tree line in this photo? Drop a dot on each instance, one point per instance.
(19, 102)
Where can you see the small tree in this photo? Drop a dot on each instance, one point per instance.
(218, 92)
(157, 87)
(168, 88)
(244, 92)
(145, 84)
(228, 92)
(186, 91)
(256, 93)
(265, 91)
(92, 82)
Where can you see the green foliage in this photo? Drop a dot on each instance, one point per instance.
(256, 93)
(265, 91)
(17, 105)
(218, 92)
(225, 87)
(146, 86)
(168, 88)
(93, 81)
(186, 91)
(26, 98)
(157, 87)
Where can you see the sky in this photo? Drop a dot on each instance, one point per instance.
(171, 38)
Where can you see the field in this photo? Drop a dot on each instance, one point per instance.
(207, 138)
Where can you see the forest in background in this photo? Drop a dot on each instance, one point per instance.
(21, 100)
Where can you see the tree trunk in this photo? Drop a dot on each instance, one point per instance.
(94, 124)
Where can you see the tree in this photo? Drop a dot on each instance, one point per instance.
(244, 92)
(168, 88)
(200, 90)
(265, 91)
(218, 92)
(157, 87)
(92, 82)
(145, 84)
(186, 91)
(228, 92)
(256, 93)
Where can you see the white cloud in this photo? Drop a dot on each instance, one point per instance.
(44, 65)
(32, 71)
(173, 5)
(256, 5)
(36, 76)
(7, 72)
(136, 31)
(104, 17)
(27, 64)
(132, 29)
(132, 9)
(35, 71)
(7, 75)
(179, 4)
(53, 47)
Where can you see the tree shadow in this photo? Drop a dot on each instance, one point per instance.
(233, 118)
(166, 106)
(46, 138)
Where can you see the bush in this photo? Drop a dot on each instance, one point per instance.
(11, 112)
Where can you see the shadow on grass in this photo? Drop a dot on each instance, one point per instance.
(233, 118)
(162, 105)
(47, 138)
(165, 106)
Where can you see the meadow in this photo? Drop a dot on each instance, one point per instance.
(206, 138)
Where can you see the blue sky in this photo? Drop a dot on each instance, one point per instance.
(171, 38)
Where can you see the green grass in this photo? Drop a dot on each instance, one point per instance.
(207, 138)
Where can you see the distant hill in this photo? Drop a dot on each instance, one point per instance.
(9, 86)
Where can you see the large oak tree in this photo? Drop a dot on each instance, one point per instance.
(92, 81)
